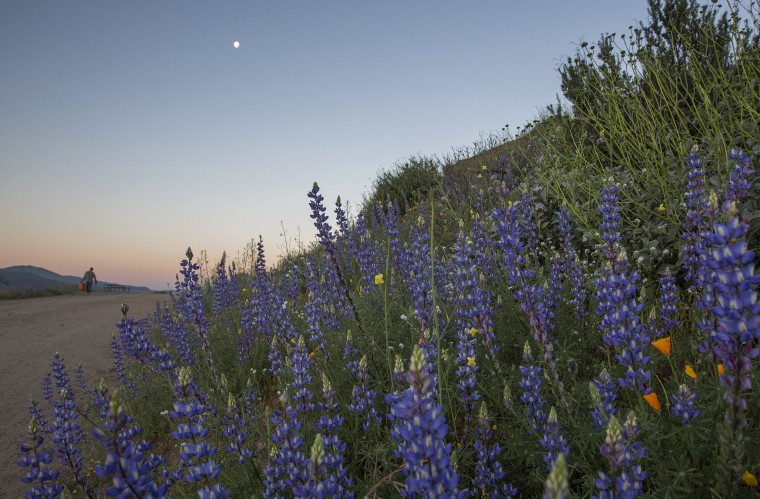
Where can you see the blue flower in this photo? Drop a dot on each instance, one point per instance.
(489, 473)
(603, 397)
(531, 380)
(682, 405)
(132, 469)
(553, 441)
(41, 479)
(420, 429)
(196, 463)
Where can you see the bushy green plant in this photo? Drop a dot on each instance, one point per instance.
(641, 100)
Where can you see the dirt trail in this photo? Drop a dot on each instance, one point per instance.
(79, 327)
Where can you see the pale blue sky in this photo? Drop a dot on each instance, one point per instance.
(130, 130)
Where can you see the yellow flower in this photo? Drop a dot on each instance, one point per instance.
(661, 207)
(470, 361)
(473, 331)
(484, 167)
(494, 427)
(379, 279)
(690, 371)
(480, 175)
(721, 369)
(312, 354)
(749, 479)
(653, 401)
(663, 345)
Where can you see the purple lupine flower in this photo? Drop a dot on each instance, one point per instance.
(736, 313)
(350, 354)
(191, 307)
(341, 218)
(489, 474)
(603, 396)
(634, 475)
(623, 454)
(137, 345)
(738, 184)
(577, 276)
(682, 405)
(390, 219)
(369, 257)
(317, 483)
(417, 255)
(196, 462)
(531, 381)
(668, 305)
(326, 239)
(300, 365)
(81, 382)
(121, 372)
(556, 281)
(101, 399)
(324, 231)
(36, 411)
(66, 435)
(233, 287)
(175, 337)
(420, 428)
(609, 209)
(60, 375)
(622, 325)
(363, 397)
(266, 314)
(527, 292)
(344, 241)
(47, 388)
(41, 478)
(319, 313)
(219, 287)
(695, 223)
(468, 304)
(483, 248)
(329, 423)
(527, 221)
(572, 266)
(233, 427)
(617, 304)
(132, 469)
(553, 441)
(287, 463)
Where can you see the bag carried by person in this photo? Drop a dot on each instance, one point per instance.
(81, 285)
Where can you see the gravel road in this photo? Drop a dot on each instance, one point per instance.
(79, 327)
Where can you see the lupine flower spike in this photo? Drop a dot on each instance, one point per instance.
(557, 483)
(419, 429)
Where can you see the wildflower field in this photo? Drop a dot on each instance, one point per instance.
(546, 334)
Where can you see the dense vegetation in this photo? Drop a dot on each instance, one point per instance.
(571, 313)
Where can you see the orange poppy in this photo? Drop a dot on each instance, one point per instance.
(721, 369)
(663, 345)
(653, 401)
(690, 371)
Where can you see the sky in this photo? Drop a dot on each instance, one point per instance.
(132, 130)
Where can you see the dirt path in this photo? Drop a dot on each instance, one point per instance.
(79, 327)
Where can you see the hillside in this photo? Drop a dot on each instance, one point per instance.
(27, 279)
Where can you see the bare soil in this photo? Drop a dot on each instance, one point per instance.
(78, 327)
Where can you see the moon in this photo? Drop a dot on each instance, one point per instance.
(236, 44)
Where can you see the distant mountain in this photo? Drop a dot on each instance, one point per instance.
(30, 278)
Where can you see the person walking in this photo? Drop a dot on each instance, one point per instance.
(88, 279)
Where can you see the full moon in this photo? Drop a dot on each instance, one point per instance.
(236, 44)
